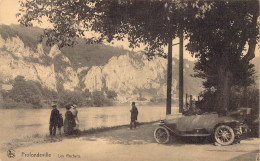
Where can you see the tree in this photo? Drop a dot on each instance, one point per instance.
(86, 93)
(111, 94)
(99, 99)
(154, 23)
(217, 30)
(218, 37)
(25, 91)
(69, 97)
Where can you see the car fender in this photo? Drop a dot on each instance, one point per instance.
(171, 127)
(232, 123)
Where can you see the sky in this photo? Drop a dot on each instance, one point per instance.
(9, 8)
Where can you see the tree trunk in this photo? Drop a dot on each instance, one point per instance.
(245, 100)
(223, 90)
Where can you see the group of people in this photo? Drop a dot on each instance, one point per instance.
(70, 123)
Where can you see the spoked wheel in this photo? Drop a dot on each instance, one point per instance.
(224, 135)
(161, 135)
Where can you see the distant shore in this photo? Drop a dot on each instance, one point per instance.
(121, 104)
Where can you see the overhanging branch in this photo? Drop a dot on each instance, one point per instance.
(252, 41)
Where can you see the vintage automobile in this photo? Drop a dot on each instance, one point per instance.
(225, 130)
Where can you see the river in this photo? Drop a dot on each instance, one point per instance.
(27, 122)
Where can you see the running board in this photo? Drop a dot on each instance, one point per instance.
(195, 135)
(177, 133)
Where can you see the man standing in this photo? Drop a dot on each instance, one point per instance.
(134, 113)
(54, 120)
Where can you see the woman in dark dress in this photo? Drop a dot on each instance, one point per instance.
(69, 121)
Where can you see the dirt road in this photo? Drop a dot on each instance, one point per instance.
(124, 144)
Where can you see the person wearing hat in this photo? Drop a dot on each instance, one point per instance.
(134, 114)
(54, 119)
(69, 121)
(75, 114)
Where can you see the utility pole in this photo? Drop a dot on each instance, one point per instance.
(181, 70)
(169, 78)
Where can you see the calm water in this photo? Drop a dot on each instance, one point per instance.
(22, 123)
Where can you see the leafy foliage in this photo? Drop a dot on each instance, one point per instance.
(220, 39)
(217, 31)
(29, 92)
(85, 98)
(11, 104)
(84, 55)
(99, 99)
(86, 93)
(68, 97)
(219, 42)
(28, 35)
(25, 91)
(149, 22)
(238, 98)
(111, 94)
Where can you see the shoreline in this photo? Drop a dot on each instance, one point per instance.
(125, 105)
(43, 139)
(137, 144)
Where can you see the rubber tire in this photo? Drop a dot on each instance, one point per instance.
(167, 133)
(232, 135)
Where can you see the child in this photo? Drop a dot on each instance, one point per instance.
(60, 123)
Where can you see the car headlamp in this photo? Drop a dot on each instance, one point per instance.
(161, 121)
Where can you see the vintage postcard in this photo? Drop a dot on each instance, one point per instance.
(124, 80)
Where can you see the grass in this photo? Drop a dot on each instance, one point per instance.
(41, 139)
(102, 129)
(25, 141)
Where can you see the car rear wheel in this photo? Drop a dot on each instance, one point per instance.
(224, 135)
(161, 135)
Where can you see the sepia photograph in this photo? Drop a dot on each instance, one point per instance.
(129, 80)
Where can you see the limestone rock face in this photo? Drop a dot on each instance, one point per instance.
(65, 74)
(93, 79)
(130, 75)
(54, 51)
(16, 59)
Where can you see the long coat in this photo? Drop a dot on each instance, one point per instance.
(54, 118)
(69, 122)
(134, 113)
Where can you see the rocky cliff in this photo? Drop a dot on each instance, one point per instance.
(17, 59)
(96, 67)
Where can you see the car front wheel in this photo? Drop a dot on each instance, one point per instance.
(224, 135)
(161, 135)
